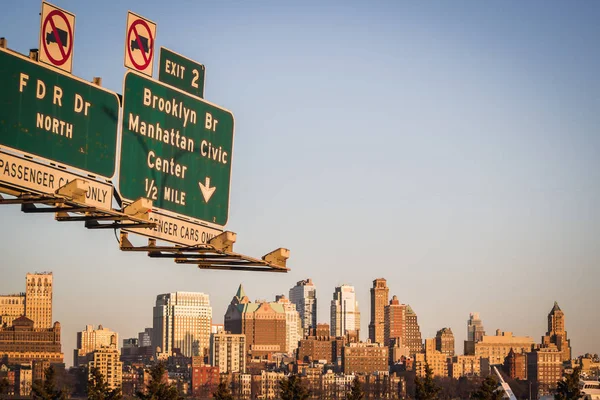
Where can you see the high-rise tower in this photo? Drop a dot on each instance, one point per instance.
(304, 296)
(475, 330)
(394, 316)
(557, 334)
(412, 331)
(38, 299)
(379, 299)
(293, 326)
(182, 321)
(475, 333)
(345, 316)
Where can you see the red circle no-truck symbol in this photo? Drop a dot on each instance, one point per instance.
(61, 46)
(150, 45)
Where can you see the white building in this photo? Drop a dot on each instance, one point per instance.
(182, 320)
(293, 324)
(228, 352)
(345, 316)
(304, 296)
(107, 359)
(90, 340)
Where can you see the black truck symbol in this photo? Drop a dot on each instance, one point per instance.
(143, 41)
(62, 35)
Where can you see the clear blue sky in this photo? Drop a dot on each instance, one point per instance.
(452, 148)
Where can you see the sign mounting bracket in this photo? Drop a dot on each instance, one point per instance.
(217, 254)
(68, 204)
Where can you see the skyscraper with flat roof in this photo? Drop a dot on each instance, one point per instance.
(304, 296)
(379, 299)
(394, 321)
(345, 315)
(182, 321)
(293, 325)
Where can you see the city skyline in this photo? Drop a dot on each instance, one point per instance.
(195, 302)
(461, 141)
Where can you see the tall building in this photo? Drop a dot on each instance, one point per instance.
(345, 316)
(92, 339)
(475, 330)
(412, 331)
(38, 299)
(304, 296)
(182, 320)
(444, 342)
(293, 324)
(379, 300)
(557, 334)
(228, 352)
(107, 359)
(35, 303)
(23, 343)
(394, 321)
(263, 323)
(475, 333)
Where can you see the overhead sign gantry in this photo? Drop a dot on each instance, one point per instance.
(58, 141)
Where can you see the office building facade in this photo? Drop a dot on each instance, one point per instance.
(182, 320)
(379, 300)
(304, 296)
(345, 315)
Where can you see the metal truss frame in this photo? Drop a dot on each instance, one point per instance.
(68, 205)
(217, 254)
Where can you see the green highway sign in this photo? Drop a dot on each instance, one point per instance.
(176, 149)
(53, 115)
(181, 72)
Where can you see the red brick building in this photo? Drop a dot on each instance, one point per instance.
(263, 323)
(205, 380)
(319, 345)
(515, 365)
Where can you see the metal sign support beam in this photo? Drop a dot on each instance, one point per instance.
(217, 254)
(68, 203)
